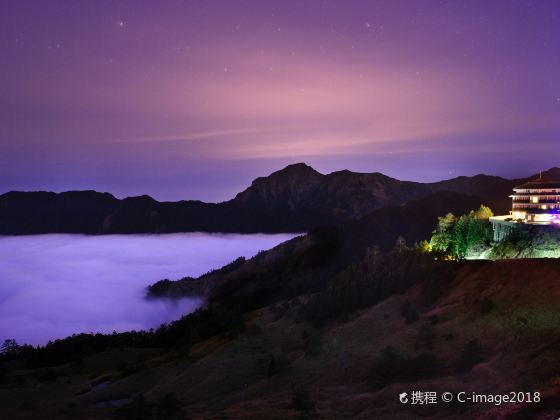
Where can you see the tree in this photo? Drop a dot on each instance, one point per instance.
(400, 245)
(424, 247)
(442, 235)
(455, 237)
(483, 213)
(9, 347)
(373, 257)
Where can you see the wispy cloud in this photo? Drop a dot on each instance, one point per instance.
(200, 135)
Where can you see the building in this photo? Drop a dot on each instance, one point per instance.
(536, 202)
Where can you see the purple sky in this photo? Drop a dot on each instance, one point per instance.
(194, 99)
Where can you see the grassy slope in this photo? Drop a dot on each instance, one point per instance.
(511, 308)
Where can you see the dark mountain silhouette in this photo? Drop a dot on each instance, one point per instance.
(310, 328)
(414, 221)
(293, 199)
(45, 212)
(551, 174)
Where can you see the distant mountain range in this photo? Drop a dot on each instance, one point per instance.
(331, 324)
(294, 199)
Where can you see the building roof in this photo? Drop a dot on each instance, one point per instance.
(539, 184)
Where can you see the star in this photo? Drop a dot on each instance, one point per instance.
(121, 23)
(367, 25)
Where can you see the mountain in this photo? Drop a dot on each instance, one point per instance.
(46, 212)
(551, 174)
(300, 191)
(414, 221)
(321, 326)
(294, 199)
(326, 325)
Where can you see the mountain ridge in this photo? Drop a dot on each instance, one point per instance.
(293, 199)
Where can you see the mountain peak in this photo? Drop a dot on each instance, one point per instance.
(299, 169)
(285, 188)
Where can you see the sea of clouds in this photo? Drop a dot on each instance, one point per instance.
(52, 286)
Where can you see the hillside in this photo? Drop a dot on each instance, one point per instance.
(341, 347)
(294, 199)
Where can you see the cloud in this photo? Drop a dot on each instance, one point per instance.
(201, 135)
(56, 285)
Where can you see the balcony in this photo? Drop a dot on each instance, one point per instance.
(541, 201)
(536, 210)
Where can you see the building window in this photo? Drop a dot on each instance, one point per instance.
(535, 199)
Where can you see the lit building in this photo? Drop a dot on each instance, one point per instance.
(536, 202)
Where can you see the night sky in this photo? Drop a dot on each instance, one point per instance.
(194, 99)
